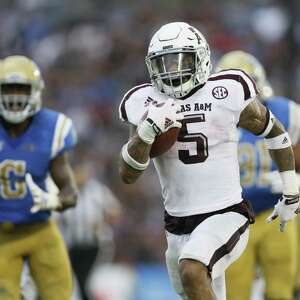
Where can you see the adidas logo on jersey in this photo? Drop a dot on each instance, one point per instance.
(148, 101)
(168, 123)
(285, 140)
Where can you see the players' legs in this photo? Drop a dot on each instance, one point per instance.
(219, 287)
(278, 257)
(11, 264)
(49, 264)
(215, 243)
(297, 279)
(175, 243)
(204, 255)
(10, 276)
(240, 275)
(196, 280)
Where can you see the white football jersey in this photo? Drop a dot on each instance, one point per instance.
(200, 173)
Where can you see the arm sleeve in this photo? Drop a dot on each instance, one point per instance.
(65, 137)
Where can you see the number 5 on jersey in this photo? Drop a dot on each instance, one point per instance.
(195, 141)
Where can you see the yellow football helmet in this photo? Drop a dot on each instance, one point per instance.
(248, 63)
(21, 87)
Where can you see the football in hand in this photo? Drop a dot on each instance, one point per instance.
(164, 141)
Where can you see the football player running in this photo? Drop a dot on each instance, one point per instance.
(206, 219)
(33, 145)
(276, 253)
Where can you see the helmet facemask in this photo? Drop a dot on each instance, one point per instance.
(18, 101)
(177, 71)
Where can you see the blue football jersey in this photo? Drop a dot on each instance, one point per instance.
(49, 135)
(255, 161)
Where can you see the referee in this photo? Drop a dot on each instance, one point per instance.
(87, 228)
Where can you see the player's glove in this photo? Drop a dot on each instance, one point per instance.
(41, 199)
(159, 120)
(286, 209)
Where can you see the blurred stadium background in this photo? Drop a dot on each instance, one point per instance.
(91, 52)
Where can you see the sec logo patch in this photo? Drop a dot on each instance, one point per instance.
(220, 92)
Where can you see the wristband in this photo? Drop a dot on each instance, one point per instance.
(279, 142)
(290, 185)
(146, 132)
(131, 161)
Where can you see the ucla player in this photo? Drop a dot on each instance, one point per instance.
(33, 146)
(275, 252)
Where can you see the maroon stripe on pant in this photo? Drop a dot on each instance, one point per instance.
(228, 247)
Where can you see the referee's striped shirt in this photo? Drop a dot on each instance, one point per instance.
(85, 224)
